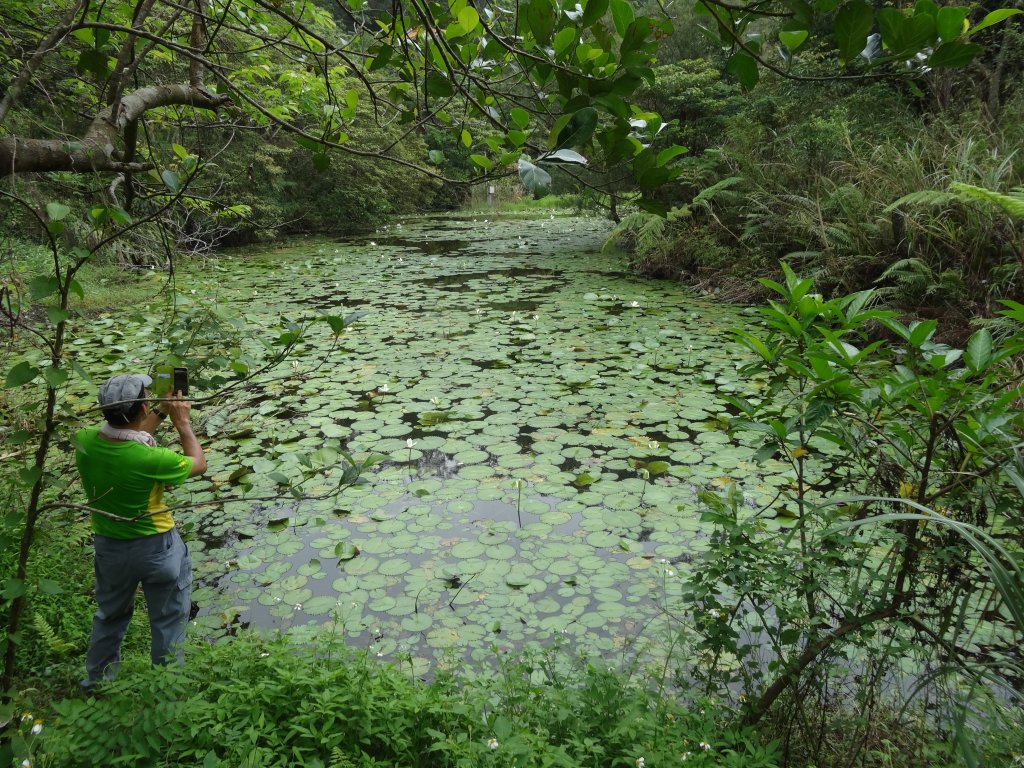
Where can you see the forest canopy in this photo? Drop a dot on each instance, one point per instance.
(517, 86)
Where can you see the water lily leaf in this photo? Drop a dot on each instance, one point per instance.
(346, 550)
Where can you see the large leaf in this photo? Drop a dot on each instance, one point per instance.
(580, 128)
(742, 66)
(534, 178)
(20, 374)
(954, 54)
(622, 15)
(563, 156)
(852, 25)
(978, 354)
(994, 18)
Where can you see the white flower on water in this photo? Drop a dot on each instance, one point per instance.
(714, 613)
(492, 744)
(37, 727)
(435, 401)
(383, 388)
(634, 304)
(298, 606)
(373, 244)
(670, 573)
(410, 443)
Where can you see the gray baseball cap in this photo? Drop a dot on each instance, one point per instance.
(121, 391)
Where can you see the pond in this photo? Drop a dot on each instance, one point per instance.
(517, 381)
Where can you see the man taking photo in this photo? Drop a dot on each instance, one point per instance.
(124, 473)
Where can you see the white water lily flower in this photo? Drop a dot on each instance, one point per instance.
(383, 388)
(634, 304)
(410, 443)
(373, 244)
(492, 744)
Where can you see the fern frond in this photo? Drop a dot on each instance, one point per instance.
(906, 270)
(49, 636)
(1012, 203)
(926, 197)
(708, 194)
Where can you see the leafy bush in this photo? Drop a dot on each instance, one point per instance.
(894, 562)
(256, 701)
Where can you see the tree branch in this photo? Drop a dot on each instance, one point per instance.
(97, 150)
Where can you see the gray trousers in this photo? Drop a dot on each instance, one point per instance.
(162, 564)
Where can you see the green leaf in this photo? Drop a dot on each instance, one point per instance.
(337, 323)
(593, 11)
(993, 18)
(436, 156)
(622, 15)
(56, 211)
(978, 355)
(852, 25)
(954, 54)
(557, 129)
(656, 468)
(345, 550)
(540, 18)
(520, 117)
(50, 587)
(579, 129)
(742, 66)
(28, 476)
(13, 588)
(170, 179)
(793, 39)
(119, 216)
(55, 377)
(91, 60)
(42, 286)
(481, 160)
(564, 39)
(563, 156)
(465, 138)
(468, 19)
(21, 374)
(534, 178)
(321, 161)
(669, 154)
(949, 22)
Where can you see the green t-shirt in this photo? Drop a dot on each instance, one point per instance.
(127, 479)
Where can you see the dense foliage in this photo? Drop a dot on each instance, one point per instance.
(859, 184)
(132, 131)
(264, 702)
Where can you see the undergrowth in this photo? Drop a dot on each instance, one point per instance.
(257, 701)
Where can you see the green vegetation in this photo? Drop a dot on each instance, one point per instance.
(794, 526)
(860, 185)
(269, 702)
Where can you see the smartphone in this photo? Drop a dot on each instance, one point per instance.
(180, 381)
